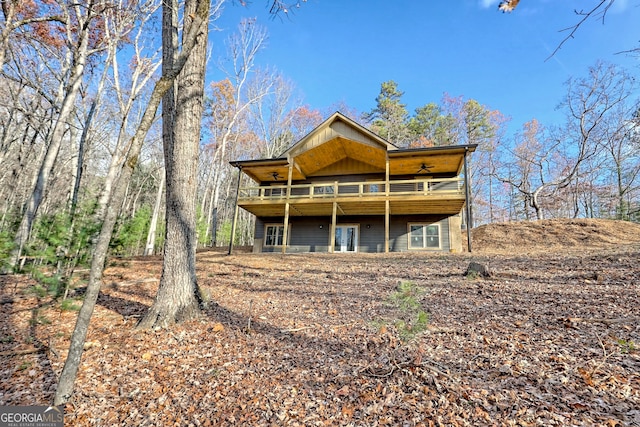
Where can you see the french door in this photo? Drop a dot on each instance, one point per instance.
(346, 238)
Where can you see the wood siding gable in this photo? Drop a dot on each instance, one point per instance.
(338, 126)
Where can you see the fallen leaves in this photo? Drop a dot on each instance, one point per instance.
(297, 340)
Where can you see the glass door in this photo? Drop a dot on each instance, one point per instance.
(346, 238)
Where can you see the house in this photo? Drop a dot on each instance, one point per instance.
(342, 188)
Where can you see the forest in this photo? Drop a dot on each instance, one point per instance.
(92, 167)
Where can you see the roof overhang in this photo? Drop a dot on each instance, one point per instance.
(341, 146)
(443, 160)
(265, 170)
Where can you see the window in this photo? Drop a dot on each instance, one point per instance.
(373, 188)
(323, 189)
(273, 235)
(424, 236)
(274, 192)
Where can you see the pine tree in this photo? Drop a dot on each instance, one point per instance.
(390, 117)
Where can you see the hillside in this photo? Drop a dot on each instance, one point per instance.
(551, 338)
(554, 235)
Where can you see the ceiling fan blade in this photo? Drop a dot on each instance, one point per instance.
(424, 168)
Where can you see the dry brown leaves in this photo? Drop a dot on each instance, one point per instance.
(550, 339)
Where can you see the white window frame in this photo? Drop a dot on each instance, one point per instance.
(279, 235)
(425, 236)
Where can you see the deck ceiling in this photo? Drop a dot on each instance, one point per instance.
(272, 173)
(314, 161)
(426, 164)
(405, 206)
(318, 158)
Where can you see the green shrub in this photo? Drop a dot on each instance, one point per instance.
(131, 234)
(6, 246)
(413, 319)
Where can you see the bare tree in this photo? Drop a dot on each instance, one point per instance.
(151, 235)
(526, 172)
(231, 102)
(598, 11)
(18, 14)
(557, 159)
(623, 159)
(118, 24)
(79, 28)
(180, 207)
(271, 119)
(67, 377)
(127, 90)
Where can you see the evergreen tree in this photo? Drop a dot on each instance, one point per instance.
(390, 117)
(430, 127)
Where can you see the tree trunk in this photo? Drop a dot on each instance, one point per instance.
(68, 103)
(178, 297)
(70, 370)
(151, 236)
(535, 204)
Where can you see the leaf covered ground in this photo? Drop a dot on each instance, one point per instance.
(552, 337)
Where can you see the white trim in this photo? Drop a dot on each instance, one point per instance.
(275, 224)
(424, 225)
(357, 237)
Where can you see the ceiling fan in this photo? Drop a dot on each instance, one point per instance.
(424, 168)
(275, 176)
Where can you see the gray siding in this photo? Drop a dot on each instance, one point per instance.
(399, 233)
(307, 236)
(311, 234)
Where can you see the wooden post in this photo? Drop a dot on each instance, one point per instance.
(285, 232)
(235, 215)
(386, 226)
(466, 202)
(332, 237)
(387, 188)
(386, 177)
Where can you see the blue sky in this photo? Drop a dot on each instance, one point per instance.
(342, 50)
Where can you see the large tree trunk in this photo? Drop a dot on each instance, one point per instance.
(178, 297)
(70, 370)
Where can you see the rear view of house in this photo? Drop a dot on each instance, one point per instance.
(343, 188)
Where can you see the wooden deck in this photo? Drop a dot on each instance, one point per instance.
(403, 197)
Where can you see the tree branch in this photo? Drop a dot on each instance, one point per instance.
(585, 16)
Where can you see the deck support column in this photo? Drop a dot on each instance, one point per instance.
(386, 226)
(285, 232)
(466, 201)
(332, 236)
(386, 206)
(235, 214)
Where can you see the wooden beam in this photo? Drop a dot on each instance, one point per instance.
(386, 226)
(466, 196)
(387, 185)
(285, 232)
(332, 236)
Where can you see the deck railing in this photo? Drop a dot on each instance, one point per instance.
(426, 187)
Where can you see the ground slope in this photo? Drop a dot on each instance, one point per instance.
(554, 235)
(314, 340)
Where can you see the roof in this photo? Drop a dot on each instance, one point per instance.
(340, 144)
